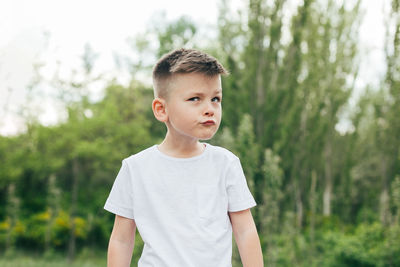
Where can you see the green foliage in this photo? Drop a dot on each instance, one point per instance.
(269, 209)
(396, 199)
(37, 181)
(30, 233)
(368, 245)
(175, 34)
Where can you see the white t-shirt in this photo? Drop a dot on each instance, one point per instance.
(180, 205)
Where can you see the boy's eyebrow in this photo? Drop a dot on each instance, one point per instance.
(218, 91)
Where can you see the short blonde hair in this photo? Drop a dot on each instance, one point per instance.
(183, 61)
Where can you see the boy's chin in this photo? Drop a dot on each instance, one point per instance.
(204, 138)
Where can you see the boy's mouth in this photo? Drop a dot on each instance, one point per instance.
(209, 122)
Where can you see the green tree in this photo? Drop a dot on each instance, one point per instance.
(389, 143)
(174, 35)
(269, 210)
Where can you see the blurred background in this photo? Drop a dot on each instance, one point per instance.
(312, 108)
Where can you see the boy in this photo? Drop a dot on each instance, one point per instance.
(184, 196)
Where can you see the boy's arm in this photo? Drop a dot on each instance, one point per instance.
(247, 240)
(122, 242)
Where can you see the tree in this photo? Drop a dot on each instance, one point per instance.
(175, 35)
(389, 142)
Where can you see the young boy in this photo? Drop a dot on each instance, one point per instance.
(184, 196)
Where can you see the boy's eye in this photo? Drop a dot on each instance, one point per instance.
(216, 99)
(194, 98)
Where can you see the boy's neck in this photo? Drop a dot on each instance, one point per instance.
(180, 148)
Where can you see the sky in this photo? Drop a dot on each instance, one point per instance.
(56, 31)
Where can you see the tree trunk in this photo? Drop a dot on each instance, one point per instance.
(299, 208)
(260, 91)
(52, 203)
(312, 205)
(328, 178)
(384, 196)
(74, 199)
(12, 215)
(297, 190)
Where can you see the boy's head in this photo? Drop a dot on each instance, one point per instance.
(182, 61)
(188, 94)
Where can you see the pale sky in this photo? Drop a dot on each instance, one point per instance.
(106, 25)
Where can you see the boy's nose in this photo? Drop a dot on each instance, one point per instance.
(209, 113)
(209, 110)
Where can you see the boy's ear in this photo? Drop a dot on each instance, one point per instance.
(159, 109)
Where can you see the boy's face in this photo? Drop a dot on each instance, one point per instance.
(193, 106)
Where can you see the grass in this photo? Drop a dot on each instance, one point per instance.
(84, 259)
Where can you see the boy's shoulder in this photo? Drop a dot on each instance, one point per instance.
(223, 152)
(142, 155)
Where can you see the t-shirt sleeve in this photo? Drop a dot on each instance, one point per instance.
(120, 201)
(239, 195)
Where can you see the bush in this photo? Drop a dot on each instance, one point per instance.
(369, 245)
